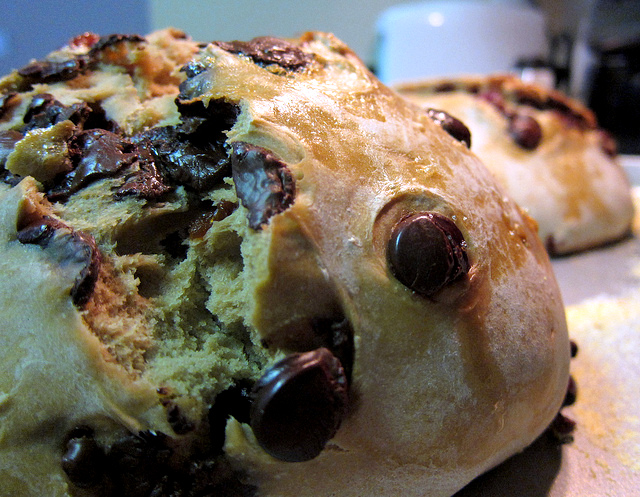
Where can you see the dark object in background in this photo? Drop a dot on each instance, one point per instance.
(615, 92)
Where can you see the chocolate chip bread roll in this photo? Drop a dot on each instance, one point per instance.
(547, 151)
(249, 268)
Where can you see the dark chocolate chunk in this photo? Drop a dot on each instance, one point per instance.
(113, 39)
(95, 154)
(45, 110)
(266, 50)
(572, 392)
(146, 183)
(299, 404)
(562, 428)
(573, 348)
(264, 184)
(197, 159)
(72, 250)
(234, 402)
(138, 462)
(83, 460)
(451, 125)
(426, 251)
(47, 71)
(525, 131)
(6, 102)
(8, 140)
(199, 227)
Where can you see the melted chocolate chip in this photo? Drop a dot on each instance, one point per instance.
(451, 125)
(572, 393)
(299, 404)
(6, 103)
(195, 159)
(562, 428)
(264, 184)
(44, 110)
(146, 183)
(114, 39)
(47, 71)
(138, 463)
(426, 251)
(234, 402)
(573, 348)
(525, 131)
(8, 140)
(83, 460)
(266, 50)
(72, 250)
(95, 154)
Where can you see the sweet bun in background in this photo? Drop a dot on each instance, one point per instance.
(249, 268)
(547, 151)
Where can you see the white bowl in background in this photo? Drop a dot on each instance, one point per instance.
(448, 38)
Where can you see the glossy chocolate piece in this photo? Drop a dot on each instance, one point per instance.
(426, 251)
(84, 461)
(451, 125)
(525, 131)
(264, 184)
(299, 404)
(70, 249)
(266, 50)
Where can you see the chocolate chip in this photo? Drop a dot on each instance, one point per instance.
(114, 39)
(299, 404)
(451, 125)
(72, 250)
(7, 102)
(95, 154)
(264, 184)
(199, 227)
(426, 251)
(83, 460)
(562, 428)
(572, 393)
(196, 159)
(47, 71)
(146, 183)
(138, 462)
(266, 50)
(8, 140)
(234, 402)
(574, 348)
(44, 110)
(525, 131)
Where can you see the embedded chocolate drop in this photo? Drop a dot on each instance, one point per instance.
(426, 251)
(298, 405)
(83, 460)
(264, 184)
(525, 131)
(451, 125)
